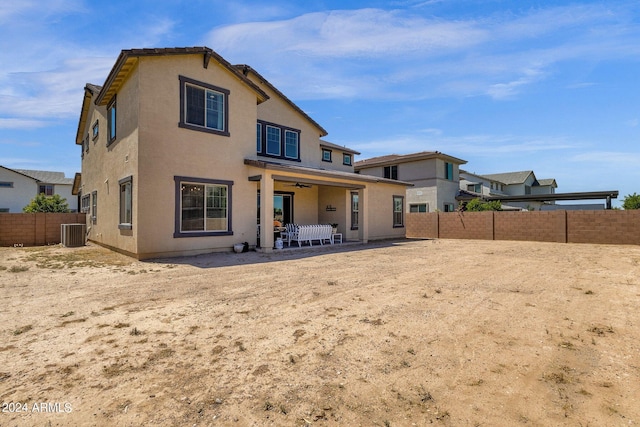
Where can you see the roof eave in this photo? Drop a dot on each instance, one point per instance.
(127, 59)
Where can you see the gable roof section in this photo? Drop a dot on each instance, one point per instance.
(333, 146)
(511, 178)
(392, 159)
(89, 91)
(548, 181)
(46, 177)
(245, 70)
(128, 58)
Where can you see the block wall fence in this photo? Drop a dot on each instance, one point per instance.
(617, 227)
(35, 229)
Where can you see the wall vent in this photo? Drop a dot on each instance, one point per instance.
(73, 235)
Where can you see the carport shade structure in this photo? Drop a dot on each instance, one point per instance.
(589, 195)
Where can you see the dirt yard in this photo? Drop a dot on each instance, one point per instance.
(409, 333)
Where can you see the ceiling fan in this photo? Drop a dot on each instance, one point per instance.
(300, 185)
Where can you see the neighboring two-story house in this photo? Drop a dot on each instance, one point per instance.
(434, 175)
(19, 186)
(518, 183)
(184, 153)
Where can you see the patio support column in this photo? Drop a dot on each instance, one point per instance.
(365, 211)
(266, 212)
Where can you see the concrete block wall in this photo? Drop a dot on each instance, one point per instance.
(603, 227)
(461, 225)
(608, 227)
(35, 229)
(546, 226)
(421, 225)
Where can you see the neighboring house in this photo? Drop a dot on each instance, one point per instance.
(19, 186)
(434, 175)
(510, 183)
(184, 153)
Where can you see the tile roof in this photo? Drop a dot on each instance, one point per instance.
(402, 158)
(509, 177)
(328, 144)
(46, 177)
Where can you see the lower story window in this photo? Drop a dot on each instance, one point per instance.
(85, 206)
(126, 203)
(398, 211)
(355, 210)
(203, 207)
(94, 207)
(418, 207)
(448, 207)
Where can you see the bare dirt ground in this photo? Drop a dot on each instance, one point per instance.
(408, 333)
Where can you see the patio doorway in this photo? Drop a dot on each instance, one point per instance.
(282, 209)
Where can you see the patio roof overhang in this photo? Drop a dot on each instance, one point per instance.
(587, 195)
(309, 175)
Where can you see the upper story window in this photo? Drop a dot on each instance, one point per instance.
(291, 144)
(476, 188)
(204, 107)
(46, 189)
(6, 184)
(278, 141)
(326, 155)
(346, 159)
(448, 171)
(273, 140)
(95, 130)
(111, 121)
(391, 172)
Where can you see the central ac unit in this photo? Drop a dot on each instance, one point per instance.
(73, 235)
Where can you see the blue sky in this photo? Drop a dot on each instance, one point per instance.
(548, 86)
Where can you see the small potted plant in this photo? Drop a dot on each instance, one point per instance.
(335, 228)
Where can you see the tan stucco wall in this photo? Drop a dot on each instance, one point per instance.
(103, 167)
(168, 150)
(153, 149)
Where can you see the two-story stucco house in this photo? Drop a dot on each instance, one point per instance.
(19, 186)
(184, 153)
(434, 175)
(518, 183)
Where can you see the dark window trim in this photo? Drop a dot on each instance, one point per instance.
(125, 225)
(95, 129)
(94, 207)
(112, 122)
(53, 189)
(393, 208)
(225, 92)
(283, 130)
(178, 181)
(326, 150)
(391, 172)
(357, 225)
(417, 206)
(347, 156)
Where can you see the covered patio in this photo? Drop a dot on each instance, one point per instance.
(289, 194)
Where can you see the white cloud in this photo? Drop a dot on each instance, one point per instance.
(21, 124)
(464, 146)
(612, 159)
(403, 54)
